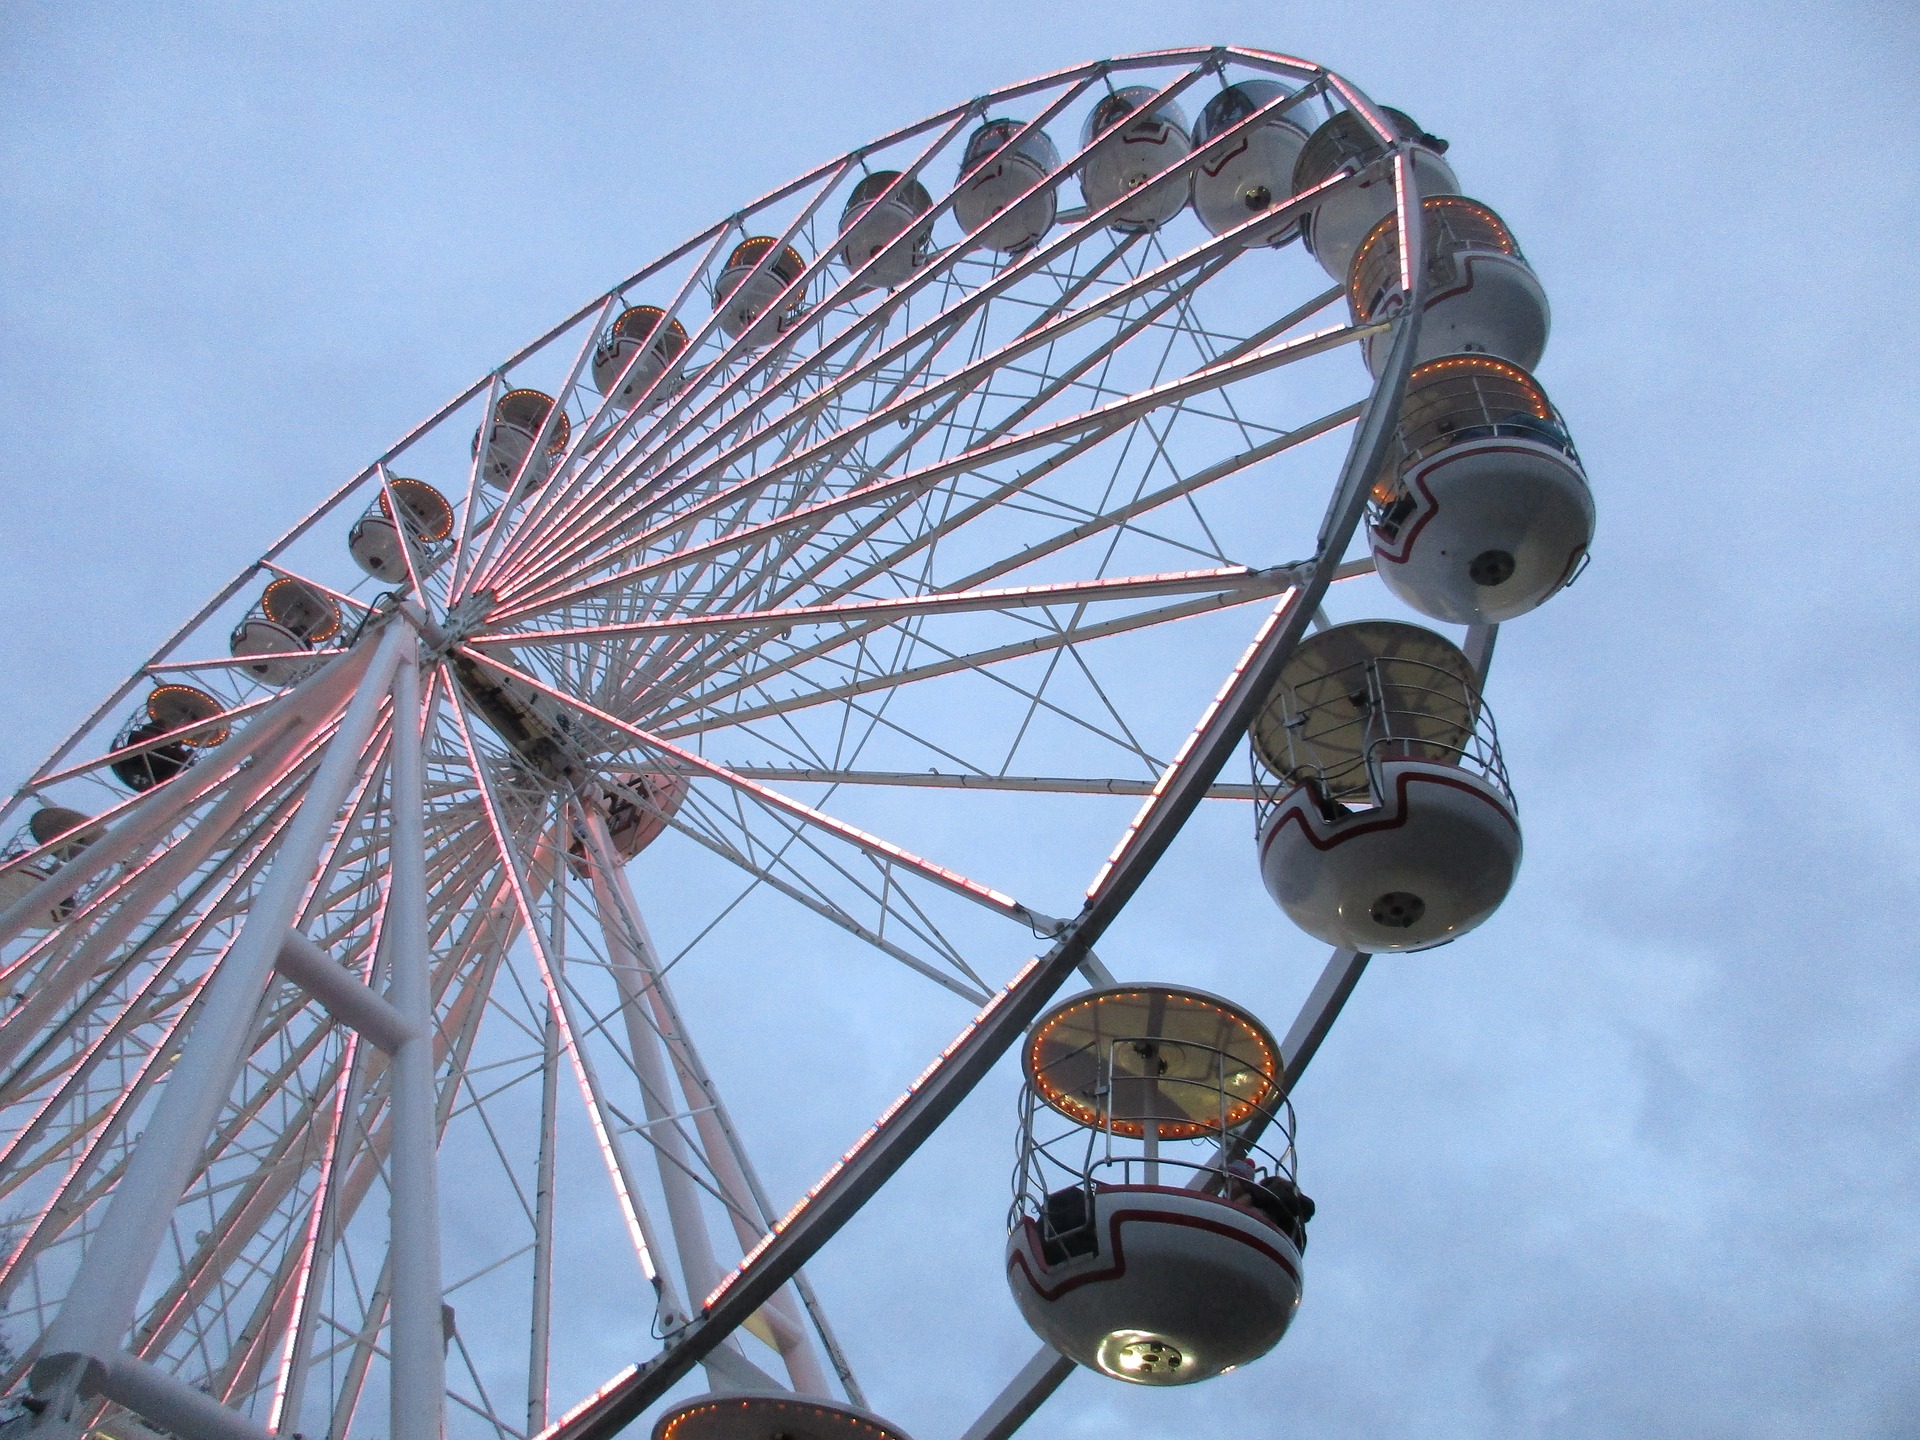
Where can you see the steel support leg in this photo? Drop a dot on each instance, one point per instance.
(636, 970)
(99, 1307)
(542, 1316)
(418, 1386)
(694, 1246)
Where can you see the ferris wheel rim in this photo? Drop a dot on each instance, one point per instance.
(1273, 61)
(1293, 581)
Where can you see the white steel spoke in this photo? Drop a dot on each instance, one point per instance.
(291, 1008)
(690, 763)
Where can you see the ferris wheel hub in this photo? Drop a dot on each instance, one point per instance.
(554, 742)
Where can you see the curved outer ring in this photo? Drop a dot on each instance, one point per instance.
(1342, 518)
(1273, 62)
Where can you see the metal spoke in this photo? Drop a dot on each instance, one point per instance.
(932, 519)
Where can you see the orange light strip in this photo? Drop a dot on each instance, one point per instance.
(562, 427)
(193, 698)
(286, 584)
(762, 1405)
(587, 1404)
(1078, 1110)
(1487, 365)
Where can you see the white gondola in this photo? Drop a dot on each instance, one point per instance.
(375, 543)
(758, 272)
(761, 1416)
(1486, 512)
(1385, 820)
(1482, 296)
(643, 331)
(996, 170)
(1254, 172)
(291, 617)
(640, 805)
(1335, 226)
(519, 416)
(1138, 146)
(1157, 1225)
(74, 832)
(181, 712)
(873, 219)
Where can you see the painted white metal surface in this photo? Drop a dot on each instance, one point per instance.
(752, 547)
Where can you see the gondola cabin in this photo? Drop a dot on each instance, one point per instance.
(1346, 145)
(520, 420)
(883, 207)
(375, 540)
(274, 638)
(1157, 1225)
(1482, 297)
(1253, 172)
(166, 736)
(752, 291)
(1385, 820)
(639, 806)
(1138, 145)
(1484, 511)
(998, 202)
(637, 358)
(58, 834)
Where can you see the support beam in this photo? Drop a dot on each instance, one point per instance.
(692, 1243)
(906, 1125)
(1025, 1393)
(1236, 580)
(541, 1319)
(172, 1404)
(936, 780)
(633, 971)
(419, 1383)
(1316, 1017)
(345, 997)
(606, 1133)
(99, 1306)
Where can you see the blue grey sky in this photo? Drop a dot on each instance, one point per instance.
(1640, 1156)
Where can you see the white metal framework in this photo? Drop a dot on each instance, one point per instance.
(295, 1042)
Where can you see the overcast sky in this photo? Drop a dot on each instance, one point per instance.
(1638, 1157)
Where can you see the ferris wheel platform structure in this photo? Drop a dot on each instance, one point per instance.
(322, 934)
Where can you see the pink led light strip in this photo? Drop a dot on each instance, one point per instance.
(1171, 582)
(549, 981)
(871, 1133)
(951, 879)
(1186, 746)
(587, 1404)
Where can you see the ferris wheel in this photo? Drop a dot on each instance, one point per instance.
(944, 468)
